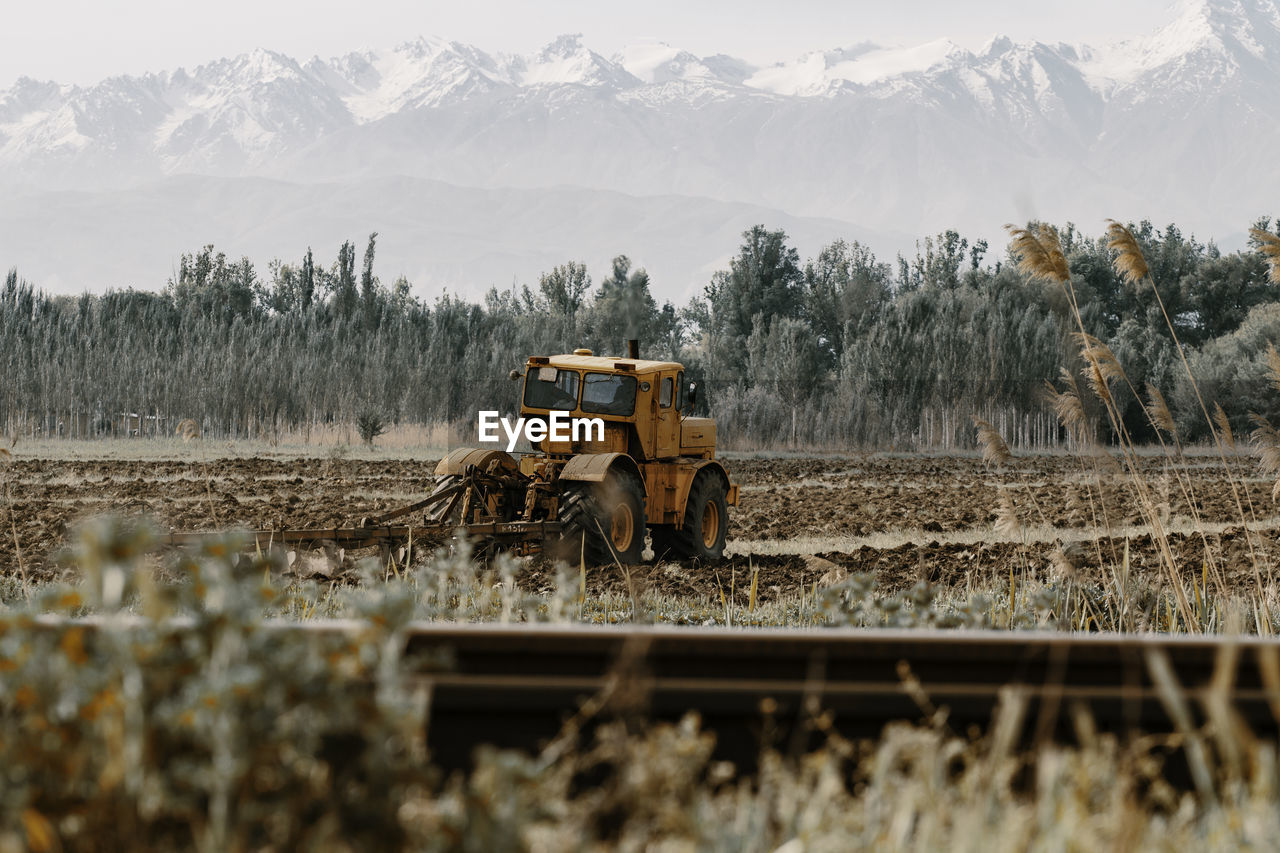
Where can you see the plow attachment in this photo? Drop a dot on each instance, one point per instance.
(475, 504)
(509, 533)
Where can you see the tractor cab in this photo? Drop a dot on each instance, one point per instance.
(639, 402)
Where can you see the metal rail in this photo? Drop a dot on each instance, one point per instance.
(515, 685)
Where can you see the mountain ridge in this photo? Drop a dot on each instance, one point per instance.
(1174, 126)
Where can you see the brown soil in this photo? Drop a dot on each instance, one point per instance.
(787, 499)
(800, 520)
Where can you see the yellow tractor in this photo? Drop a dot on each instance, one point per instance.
(652, 466)
(590, 495)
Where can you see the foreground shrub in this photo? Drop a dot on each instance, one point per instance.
(200, 724)
(142, 715)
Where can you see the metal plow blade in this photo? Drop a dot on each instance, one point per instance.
(472, 495)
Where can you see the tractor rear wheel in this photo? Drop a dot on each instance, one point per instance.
(602, 522)
(706, 524)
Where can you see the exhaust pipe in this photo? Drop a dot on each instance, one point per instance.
(633, 348)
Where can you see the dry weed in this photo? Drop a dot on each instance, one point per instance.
(1269, 245)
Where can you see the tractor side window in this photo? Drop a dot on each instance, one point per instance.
(679, 391)
(609, 394)
(667, 392)
(549, 388)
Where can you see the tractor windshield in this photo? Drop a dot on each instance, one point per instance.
(549, 388)
(609, 394)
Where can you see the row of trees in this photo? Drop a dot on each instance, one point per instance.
(839, 350)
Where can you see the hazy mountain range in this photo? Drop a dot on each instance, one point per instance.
(477, 168)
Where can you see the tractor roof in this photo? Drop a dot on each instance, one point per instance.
(605, 363)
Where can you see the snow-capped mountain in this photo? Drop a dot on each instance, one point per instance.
(1177, 126)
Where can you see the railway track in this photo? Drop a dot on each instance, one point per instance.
(514, 686)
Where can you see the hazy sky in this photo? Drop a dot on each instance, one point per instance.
(82, 41)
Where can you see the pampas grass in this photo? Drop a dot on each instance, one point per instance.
(1039, 251)
(1104, 367)
(1158, 411)
(1007, 521)
(187, 430)
(1068, 408)
(6, 459)
(1269, 245)
(1132, 266)
(1224, 426)
(994, 449)
(1273, 366)
(1129, 262)
(1267, 440)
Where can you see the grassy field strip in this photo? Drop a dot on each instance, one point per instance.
(176, 450)
(1040, 534)
(193, 476)
(157, 500)
(832, 482)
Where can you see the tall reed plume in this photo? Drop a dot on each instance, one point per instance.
(1132, 265)
(1038, 250)
(994, 449)
(1269, 245)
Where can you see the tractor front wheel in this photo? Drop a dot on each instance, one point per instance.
(706, 524)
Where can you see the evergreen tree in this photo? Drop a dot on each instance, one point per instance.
(764, 281)
(624, 309)
(308, 281)
(342, 281)
(563, 291)
(842, 351)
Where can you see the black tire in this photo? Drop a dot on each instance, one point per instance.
(450, 509)
(706, 524)
(602, 522)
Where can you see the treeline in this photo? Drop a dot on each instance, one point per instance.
(840, 350)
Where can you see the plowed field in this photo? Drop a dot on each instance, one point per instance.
(944, 519)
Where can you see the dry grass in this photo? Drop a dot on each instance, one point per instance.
(1161, 417)
(220, 741)
(1269, 245)
(1130, 262)
(1039, 252)
(405, 441)
(1224, 426)
(1267, 440)
(187, 430)
(994, 449)
(1034, 248)
(1069, 409)
(1273, 366)
(6, 460)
